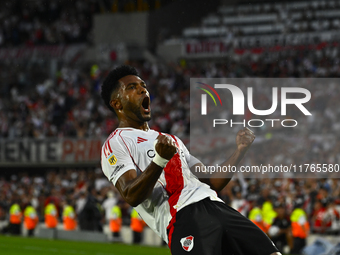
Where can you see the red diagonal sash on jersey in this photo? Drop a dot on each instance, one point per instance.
(174, 182)
(174, 186)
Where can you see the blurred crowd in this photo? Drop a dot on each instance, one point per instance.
(80, 199)
(69, 105)
(93, 201)
(34, 104)
(266, 18)
(46, 22)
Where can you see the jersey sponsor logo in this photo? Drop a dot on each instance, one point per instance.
(187, 243)
(112, 160)
(151, 153)
(115, 171)
(140, 139)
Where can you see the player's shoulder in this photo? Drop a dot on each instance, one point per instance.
(112, 137)
(111, 143)
(171, 135)
(130, 136)
(177, 139)
(134, 136)
(120, 133)
(114, 145)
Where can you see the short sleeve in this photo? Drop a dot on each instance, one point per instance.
(115, 159)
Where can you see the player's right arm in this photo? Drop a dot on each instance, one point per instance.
(135, 189)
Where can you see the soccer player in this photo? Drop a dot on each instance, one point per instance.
(151, 170)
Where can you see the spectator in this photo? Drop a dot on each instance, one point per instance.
(239, 203)
(300, 227)
(51, 215)
(137, 226)
(332, 217)
(255, 215)
(30, 219)
(280, 231)
(90, 215)
(15, 219)
(69, 216)
(319, 222)
(108, 204)
(115, 222)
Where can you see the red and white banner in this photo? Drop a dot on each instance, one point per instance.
(28, 152)
(41, 52)
(198, 48)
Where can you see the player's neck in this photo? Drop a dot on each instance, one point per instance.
(133, 124)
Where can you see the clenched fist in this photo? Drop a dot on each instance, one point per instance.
(244, 139)
(165, 147)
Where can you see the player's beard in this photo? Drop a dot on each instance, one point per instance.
(136, 110)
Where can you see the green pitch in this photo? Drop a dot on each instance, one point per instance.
(34, 246)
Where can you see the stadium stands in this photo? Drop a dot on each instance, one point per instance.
(268, 18)
(73, 184)
(46, 22)
(35, 104)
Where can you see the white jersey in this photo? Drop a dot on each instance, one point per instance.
(177, 187)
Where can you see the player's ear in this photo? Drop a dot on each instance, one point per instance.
(116, 104)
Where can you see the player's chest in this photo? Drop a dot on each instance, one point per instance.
(144, 149)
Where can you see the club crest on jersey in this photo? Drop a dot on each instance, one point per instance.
(112, 160)
(187, 243)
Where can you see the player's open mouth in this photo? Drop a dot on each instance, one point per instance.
(146, 104)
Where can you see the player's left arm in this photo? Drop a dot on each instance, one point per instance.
(219, 180)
